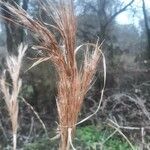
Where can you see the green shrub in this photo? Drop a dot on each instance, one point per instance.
(87, 138)
(92, 138)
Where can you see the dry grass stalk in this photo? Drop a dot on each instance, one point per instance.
(118, 128)
(73, 83)
(11, 93)
(36, 114)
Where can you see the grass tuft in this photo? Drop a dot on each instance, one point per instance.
(73, 83)
(11, 91)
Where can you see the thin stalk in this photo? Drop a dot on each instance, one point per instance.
(14, 141)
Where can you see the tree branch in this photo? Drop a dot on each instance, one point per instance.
(118, 12)
(147, 28)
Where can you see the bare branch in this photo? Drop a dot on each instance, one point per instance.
(118, 12)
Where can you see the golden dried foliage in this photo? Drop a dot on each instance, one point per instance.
(73, 83)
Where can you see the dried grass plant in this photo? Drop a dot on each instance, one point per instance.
(11, 92)
(73, 82)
